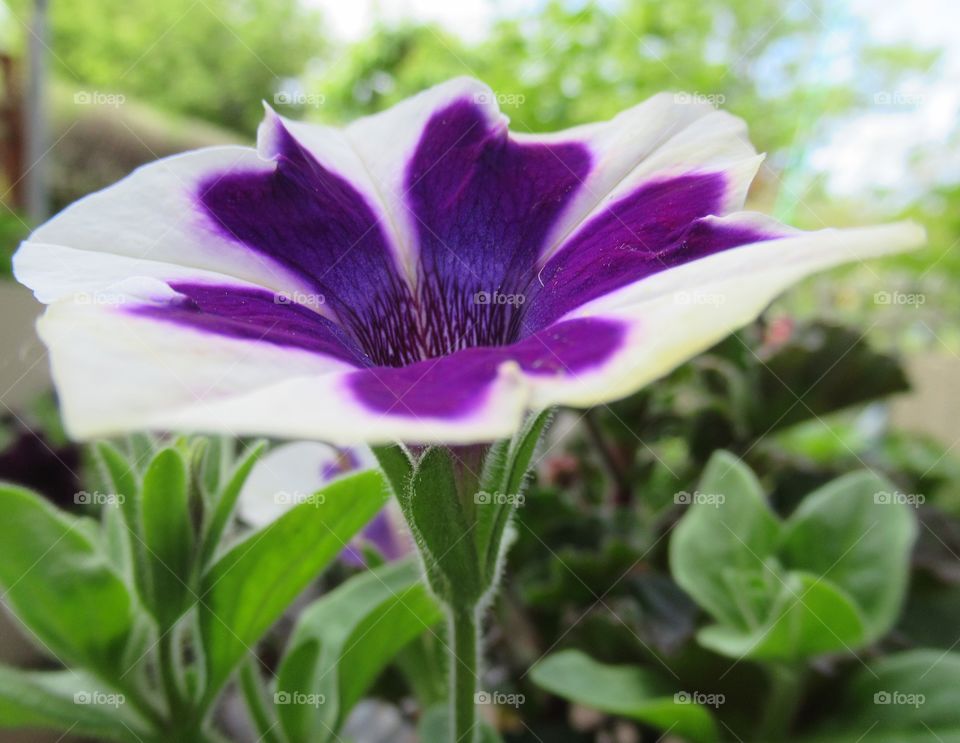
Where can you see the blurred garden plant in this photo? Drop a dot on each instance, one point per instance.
(152, 607)
(423, 277)
(828, 581)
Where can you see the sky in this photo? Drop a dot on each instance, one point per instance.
(877, 148)
(872, 149)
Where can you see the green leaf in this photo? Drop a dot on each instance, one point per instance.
(66, 701)
(121, 474)
(628, 691)
(448, 545)
(262, 714)
(727, 534)
(523, 448)
(398, 468)
(833, 364)
(853, 532)
(167, 537)
(343, 641)
(115, 537)
(59, 583)
(810, 617)
(216, 458)
(830, 579)
(245, 592)
(505, 473)
(142, 447)
(909, 697)
(227, 500)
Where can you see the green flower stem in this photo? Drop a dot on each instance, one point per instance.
(184, 720)
(168, 675)
(461, 539)
(463, 674)
(786, 686)
(252, 689)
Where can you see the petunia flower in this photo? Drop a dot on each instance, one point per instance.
(421, 275)
(293, 473)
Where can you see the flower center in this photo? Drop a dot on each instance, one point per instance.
(398, 328)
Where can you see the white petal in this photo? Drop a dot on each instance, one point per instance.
(150, 221)
(116, 372)
(289, 474)
(679, 313)
(663, 136)
(387, 141)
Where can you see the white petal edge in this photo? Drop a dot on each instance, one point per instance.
(326, 408)
(117, 373)
(681, 312)
(151, 215)
(657, 138)
(114, 371)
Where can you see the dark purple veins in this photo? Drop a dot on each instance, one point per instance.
(482, 206)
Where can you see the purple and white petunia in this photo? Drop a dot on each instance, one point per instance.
(421, 275)
(295, 472)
